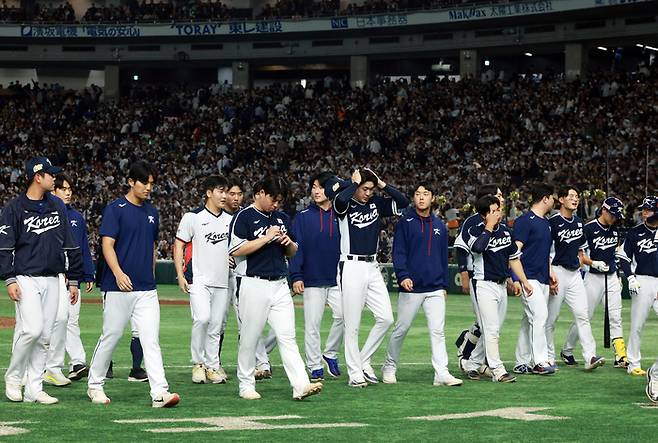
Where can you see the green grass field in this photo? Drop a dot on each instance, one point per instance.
(601, 406)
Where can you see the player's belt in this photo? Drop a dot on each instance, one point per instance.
(569, 268)
(268, 278)
(365, 258)
(500, 281)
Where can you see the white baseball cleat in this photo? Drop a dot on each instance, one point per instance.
(213, 376)
(55, 378)
(41, 398)
(13, 392)
(388, 377)
(250, 395)
(166, 400)
(448, 380)
(198, 374)
(97, 396)
(312, 389)
(222, 372)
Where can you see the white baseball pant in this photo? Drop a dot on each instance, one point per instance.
(262, 359)
(478, 354)
(143, 308)
(491, 299)
(640, 307)
(571, 289)
(35, 314)
(531, 345)
(361, 284)
(315, 300)
(209, 306)
(264, 301)
(595, 289)
(434, 305)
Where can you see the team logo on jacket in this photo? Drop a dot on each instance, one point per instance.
(39, 225)
(74, 223)
(604, 243)
(3, 229)
(647, 246)
(437, 231)
(151, 219)
(216, 237)
(569, 235)
(497, 244)
(361, 220)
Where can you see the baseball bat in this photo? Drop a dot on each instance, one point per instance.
(606, 317)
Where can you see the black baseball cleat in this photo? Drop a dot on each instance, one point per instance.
(568, 360)
(78, 372)
(138, 375)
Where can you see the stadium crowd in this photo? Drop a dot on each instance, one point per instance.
(149, 11)
(454, 134)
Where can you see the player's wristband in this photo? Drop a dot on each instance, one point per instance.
(10, 281)
(73, 283)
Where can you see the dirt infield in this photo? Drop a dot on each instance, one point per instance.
(7, 322)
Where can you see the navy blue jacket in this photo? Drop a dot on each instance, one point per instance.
(638, 254)
(316, 260)
(420, 251)
(79, 231)
(36, 240)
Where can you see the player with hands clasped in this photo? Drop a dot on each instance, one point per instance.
(494, 252)
(359, 278)
(639, 261)
(129, 231)
(602, 240)
(313, 274)
(532, 234)
(260, 243)
(36, 244)
(207, 228)
(420, 259)
(568, 241)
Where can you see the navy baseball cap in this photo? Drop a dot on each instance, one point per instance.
(650, 202)
(333, 185)
(40, 164)
(614, 206)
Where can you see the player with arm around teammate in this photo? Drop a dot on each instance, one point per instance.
(129, 231)
(494, 252)
(260, 243)
(532, 234)
(359, 277)
(65, 337)
(206, 228)
(639, 261)
(420, 259)
(35, 244)
(602, 240)
(568, 241)
(313, 274)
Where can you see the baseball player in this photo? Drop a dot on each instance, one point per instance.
(207, 229)
(36, 247)
(234, 201)
(129, 231)
(260, 243)
(602, 240)
(467, 342)
(639, 261)
(494, 252)
(313, 274)
(420, 259)
(65, 336)
(359, 278)
(532, 234)
(568, 241)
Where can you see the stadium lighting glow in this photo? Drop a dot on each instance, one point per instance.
(135, 77)
(602, 48)
(528, 54)
(487, 63)
(652, 48)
